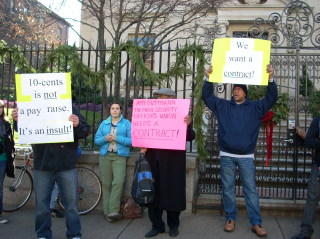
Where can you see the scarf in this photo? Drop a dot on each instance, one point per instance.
(268, 122)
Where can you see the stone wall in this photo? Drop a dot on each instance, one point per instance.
(90, 160)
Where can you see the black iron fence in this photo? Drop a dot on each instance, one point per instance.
(88, 99)
(285, 178)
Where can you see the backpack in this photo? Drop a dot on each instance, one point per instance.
(142, 190)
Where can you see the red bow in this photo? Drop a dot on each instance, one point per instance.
(267, 120)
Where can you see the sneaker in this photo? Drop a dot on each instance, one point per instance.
(109, 219)
(114, 216)
(3, 220)
(56, 213)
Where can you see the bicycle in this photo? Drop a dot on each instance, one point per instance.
(17, 191)
(89, 191)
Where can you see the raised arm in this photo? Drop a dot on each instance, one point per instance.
(312, 139)
(208, 97)
(271, 97)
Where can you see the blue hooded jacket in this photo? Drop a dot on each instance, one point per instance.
(123, 137)
(238, 124)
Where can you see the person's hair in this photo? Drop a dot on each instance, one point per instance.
(115, 103)
(3, 115)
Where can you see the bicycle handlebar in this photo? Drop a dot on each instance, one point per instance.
(24, 151)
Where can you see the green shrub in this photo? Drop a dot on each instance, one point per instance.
(314, 103)
(305, 84)
(281, 107)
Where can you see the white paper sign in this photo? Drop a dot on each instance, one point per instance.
(44, 102)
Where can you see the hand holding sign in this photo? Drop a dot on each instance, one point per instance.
(270, 70)
(208, 71)
(74, 119)
(187, 119)
(14, 114)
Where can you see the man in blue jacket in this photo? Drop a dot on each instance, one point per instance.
(239, 121)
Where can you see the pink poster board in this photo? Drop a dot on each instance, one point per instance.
(158, 123)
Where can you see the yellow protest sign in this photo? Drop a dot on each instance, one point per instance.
(240, 60)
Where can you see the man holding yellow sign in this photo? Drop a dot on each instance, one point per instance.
(239, 121)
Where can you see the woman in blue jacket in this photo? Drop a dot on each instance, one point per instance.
(114, 139)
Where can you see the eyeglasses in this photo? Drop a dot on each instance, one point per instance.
(164, 96)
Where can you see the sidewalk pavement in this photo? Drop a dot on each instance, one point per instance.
(203, 225)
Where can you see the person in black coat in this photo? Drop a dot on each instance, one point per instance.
(312, 140)
(169, 171)
(6, 155)
(56, 162)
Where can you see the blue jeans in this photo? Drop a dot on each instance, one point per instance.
(54, 195)
(313, 198)
(228, 168)
(67, 181)
(3, 169)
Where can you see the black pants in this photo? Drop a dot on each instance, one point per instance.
(155, 215)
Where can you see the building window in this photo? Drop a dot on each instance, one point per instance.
(242, 34)
(59, 34)
(146, 41)
(11, 6)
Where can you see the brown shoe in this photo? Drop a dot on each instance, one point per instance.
(229, 226)
(258, 229)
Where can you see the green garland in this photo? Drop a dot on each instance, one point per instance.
(15, 55)
(76, 66)
(281, 107)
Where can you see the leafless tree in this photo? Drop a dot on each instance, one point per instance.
(152, 22)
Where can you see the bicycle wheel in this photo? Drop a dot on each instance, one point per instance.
(17, 191)
(89, 190)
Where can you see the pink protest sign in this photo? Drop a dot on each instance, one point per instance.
(158, 123)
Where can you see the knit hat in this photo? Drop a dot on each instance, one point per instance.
(243, 87)
(165, 91)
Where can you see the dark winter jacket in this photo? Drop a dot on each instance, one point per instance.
(61, 156)
(9, 147)
(238, 124)
(169, 171)
(313, 139)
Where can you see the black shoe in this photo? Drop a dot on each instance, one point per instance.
(56, 213)
(300, 236)
(152, 233)
(174, 232)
